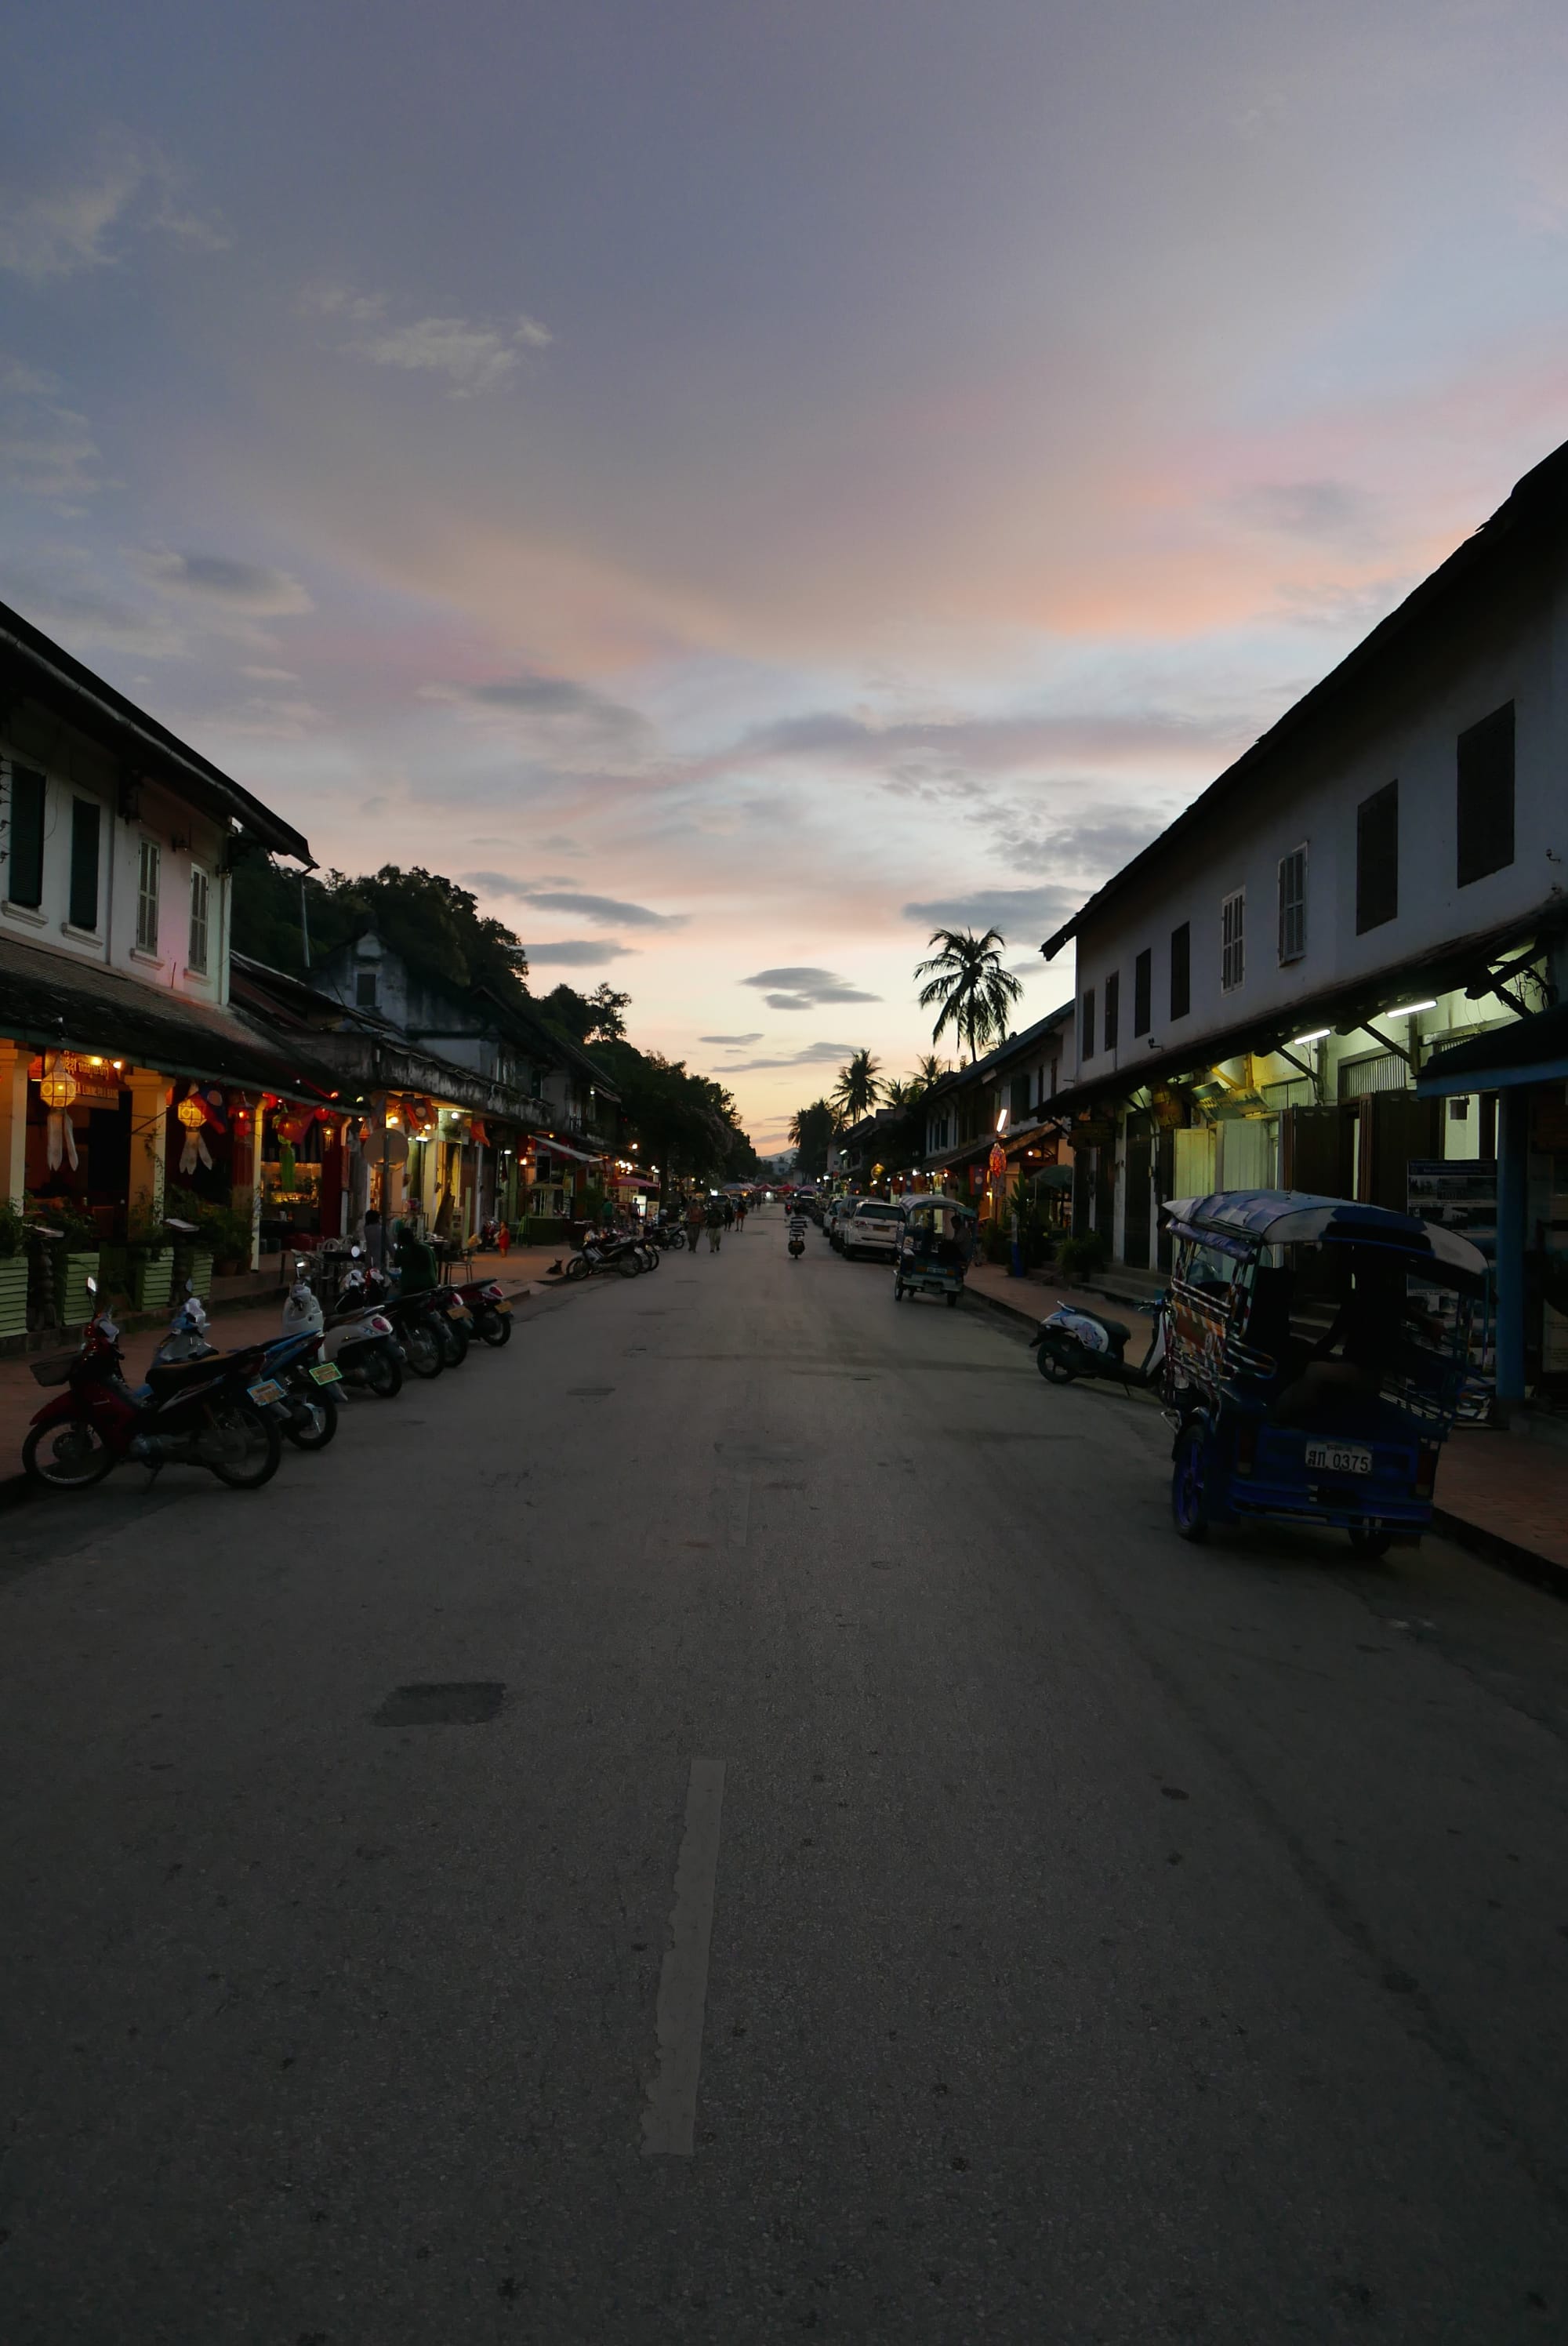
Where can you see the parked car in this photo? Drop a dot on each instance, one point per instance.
(874, 1228)
(838, 1212)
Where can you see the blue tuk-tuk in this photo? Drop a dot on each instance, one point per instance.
(931, 1257)
(1317, 1353)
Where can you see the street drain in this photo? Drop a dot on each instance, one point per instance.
(465, 1705)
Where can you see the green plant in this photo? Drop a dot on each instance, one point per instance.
(11, 1229)
(1083, 1258)
(78, 1230)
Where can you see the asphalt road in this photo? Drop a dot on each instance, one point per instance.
(898, 1892)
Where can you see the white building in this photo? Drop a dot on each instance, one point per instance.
(1381, 876)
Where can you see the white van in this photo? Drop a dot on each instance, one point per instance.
(874, 1228)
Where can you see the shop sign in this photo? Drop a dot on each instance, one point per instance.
(1096, 1132)
(97, 1081)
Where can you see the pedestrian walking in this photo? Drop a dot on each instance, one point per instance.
(739, 1216)
(716, 1218)
(696, 1214)
(728, 1212)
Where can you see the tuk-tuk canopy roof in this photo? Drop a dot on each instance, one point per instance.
(1259, 1218)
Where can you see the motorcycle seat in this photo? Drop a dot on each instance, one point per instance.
(167, 1376)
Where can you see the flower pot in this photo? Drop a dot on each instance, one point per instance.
(12, 1294)
(72, 1272)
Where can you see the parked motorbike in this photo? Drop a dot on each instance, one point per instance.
(667, 1236)
(306, 1407)
(416, 1321)
(490, 1309)
(200, 1413)
(360, 1339)
(605, 1251)
(1071, 1343)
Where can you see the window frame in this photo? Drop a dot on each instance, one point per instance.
(1233, 941)
(148, 859)
(1290, 951)
(1143, 991)
(1475, 817)
(30, 776)
(363, 977)
(1369, 911)
(1111, 1018)
(79, 914)
(200, 878)
(1086, 1023)
(1181, 963)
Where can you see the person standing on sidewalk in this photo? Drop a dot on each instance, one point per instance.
(696, 1214)
(740, 1218)
(716, 1206)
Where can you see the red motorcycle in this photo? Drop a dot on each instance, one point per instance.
(205, 1413)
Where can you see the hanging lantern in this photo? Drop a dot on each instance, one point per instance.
(59, 1088)
(191, 1114)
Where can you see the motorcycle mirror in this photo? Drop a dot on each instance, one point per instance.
(188, 1230)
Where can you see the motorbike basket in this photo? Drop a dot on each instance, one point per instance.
(55, 1370)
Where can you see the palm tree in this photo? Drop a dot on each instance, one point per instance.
(859, 1086)
(928, 1071)
(966, 977)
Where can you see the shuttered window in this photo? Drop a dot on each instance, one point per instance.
(1087, 1016)
(148, 860)
(1293, 905)
(1484, 813)
(1233, 940)
(1143, 989)
(84, 826)
(1181, 969)
(1113, 1009)
(25, 838)
(200, 899)
(1378, 858)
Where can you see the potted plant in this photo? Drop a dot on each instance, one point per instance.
(13, 1272)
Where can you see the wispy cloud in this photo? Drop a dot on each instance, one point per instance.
(553, 716)
(250, 589)
(611, 910)
(579, 953)
(730, 1042)
(471, 356)
(1018, 912)
(793, 988)
(815, 1055)
(55, 230)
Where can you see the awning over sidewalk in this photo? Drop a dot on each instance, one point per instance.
(1532, 1051)
(52, 1002)
(545, 1146)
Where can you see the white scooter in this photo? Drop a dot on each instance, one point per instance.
(358, 1340)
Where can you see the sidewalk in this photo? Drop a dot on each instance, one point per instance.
(239, 1318)
(1503, 1496)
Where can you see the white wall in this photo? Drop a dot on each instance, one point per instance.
(73, 769)
(1518, 656)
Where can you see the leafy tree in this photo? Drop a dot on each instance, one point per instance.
(859, 1086)
(813, 1130)
(966, 978)
(599, 1016)
(434, 924)
(685, 1124)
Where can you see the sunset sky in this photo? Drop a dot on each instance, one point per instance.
(737, 482)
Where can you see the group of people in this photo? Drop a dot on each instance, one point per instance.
(715, 1214)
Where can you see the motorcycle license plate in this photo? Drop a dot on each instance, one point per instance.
(502, 1307)
(1340, 1457)
(456, 1310)
(265, 1393)
(327, 1373)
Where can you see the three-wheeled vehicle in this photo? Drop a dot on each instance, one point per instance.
(930, 1259)
(1279, 1414)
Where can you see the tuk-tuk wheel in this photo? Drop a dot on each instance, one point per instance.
(1189, 1483)
(1368, 1542)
